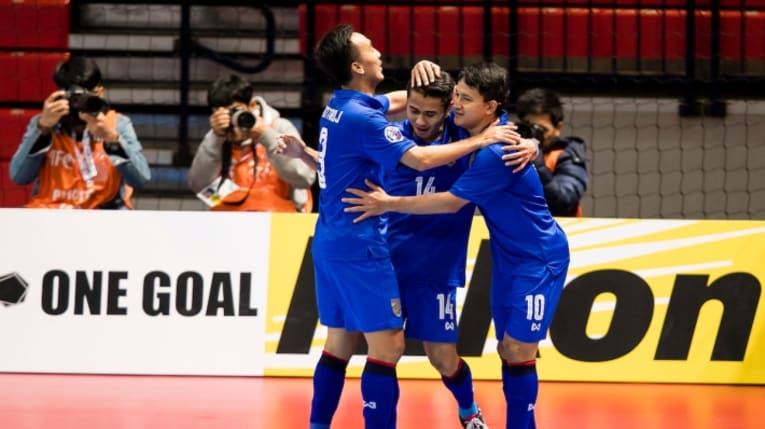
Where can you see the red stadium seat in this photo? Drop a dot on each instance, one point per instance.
(34, 24)
(325, 19)
(27, 76)
(674, 41)
(651, 50)
(399, 46)
(529, 48)
(576, 34)
(500, 24)
(14, 124)
(754, 44)
(472, 34)
(448, 37)
(425, 33)
(601, 40)
(552, 38)
(703, 35)
(731, 52)
(626, 49)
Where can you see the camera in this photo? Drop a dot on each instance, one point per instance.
(530, 130)
(82, 100)
(242, 118)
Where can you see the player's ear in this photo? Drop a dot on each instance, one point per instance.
(492, 106)
(357, 68)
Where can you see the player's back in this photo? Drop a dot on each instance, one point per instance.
(354, 139)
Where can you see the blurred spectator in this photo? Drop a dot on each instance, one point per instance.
(79, 152)
(235, 167)
(562, 169)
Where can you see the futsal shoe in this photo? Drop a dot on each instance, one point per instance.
(474, 422)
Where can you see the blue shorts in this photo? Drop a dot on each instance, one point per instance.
(359, 295)
(430, 313)
(523, 305)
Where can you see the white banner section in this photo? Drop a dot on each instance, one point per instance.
(133, 292)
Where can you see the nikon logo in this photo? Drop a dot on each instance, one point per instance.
(738, 293)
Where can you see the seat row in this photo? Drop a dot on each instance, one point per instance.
(653, 39)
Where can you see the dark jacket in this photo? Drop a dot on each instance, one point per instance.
(564, 181)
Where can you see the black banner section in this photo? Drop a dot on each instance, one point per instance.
(739, 294)
(302, 315)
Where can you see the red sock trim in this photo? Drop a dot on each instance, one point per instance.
(330, 355)
(525, 363)
(457, 372)
(380, 362)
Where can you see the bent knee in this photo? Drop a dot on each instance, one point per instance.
(512, 350)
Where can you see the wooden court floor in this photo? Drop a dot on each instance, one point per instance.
(37, 401)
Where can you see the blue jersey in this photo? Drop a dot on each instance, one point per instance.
(428, 249)
(355, 139)
(523, 234)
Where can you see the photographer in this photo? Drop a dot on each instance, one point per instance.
(79, 152)
(235, 167)
(562, 168)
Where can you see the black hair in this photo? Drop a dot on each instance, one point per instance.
(442, 87)
(540, 101)
(77, 70)
(229, 89)
(335, 53)
(490, 79)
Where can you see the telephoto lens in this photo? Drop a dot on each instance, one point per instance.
(82, 100)
(242, 118)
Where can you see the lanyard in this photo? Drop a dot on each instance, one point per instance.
(85, 159)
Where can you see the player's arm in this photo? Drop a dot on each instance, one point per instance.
(423, 158)
(397, 102)
(376, 202)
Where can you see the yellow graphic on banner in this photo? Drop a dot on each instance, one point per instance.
(645, 301)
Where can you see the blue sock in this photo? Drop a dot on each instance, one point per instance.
(379, 390)
(461, 385)
(328, 381)
(520, 385)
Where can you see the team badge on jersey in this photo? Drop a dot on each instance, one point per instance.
(395, 305)
(393, 134)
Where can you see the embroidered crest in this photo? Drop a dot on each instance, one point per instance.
(395, 305)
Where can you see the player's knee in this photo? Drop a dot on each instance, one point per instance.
(512, 350)
(443, 357)
(386, 346)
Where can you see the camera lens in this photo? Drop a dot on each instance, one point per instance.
(93, 105)
(243, 119)
(85, 101)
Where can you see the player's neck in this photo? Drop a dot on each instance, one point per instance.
(362, 86)
(481, 126)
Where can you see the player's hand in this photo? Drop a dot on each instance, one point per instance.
(55, 107)
(425, 72)
(520, 154)
(368, 203)
(98, 127)
(290, 146)
(496, 133)
(220, 121)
